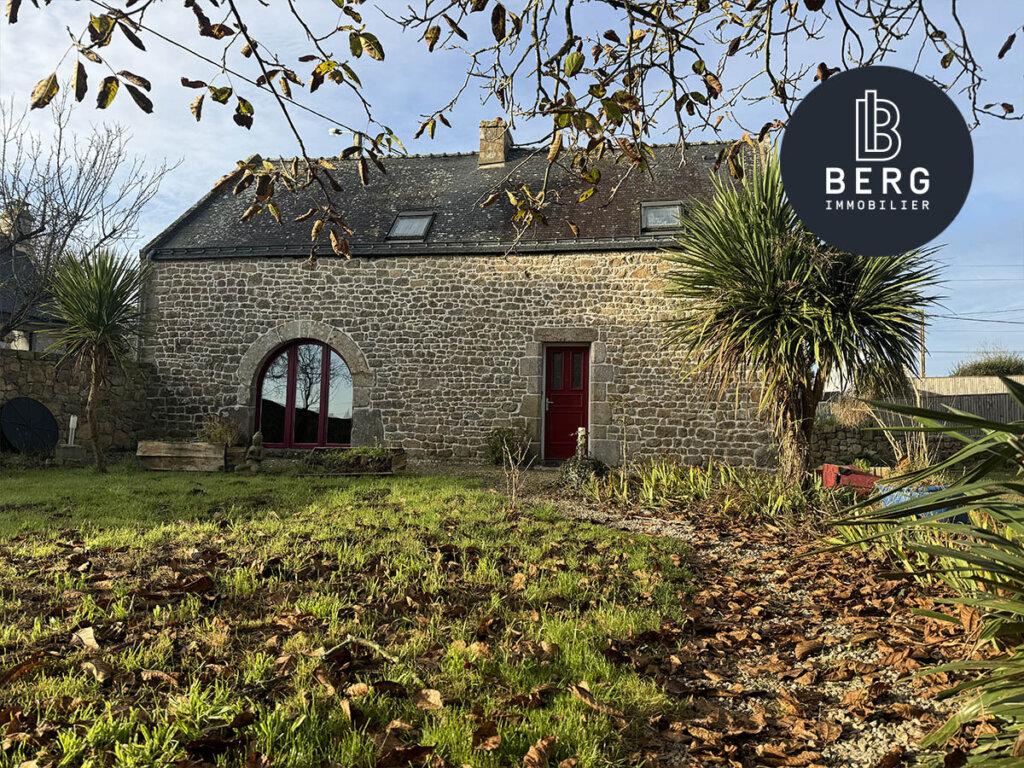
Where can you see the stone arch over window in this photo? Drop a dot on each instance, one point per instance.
(366, 423)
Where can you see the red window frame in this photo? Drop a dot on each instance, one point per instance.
(291, 349)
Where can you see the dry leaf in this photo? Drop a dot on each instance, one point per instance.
(892, 758)
(157, 676)
(19, 670)
(537, 755)
(321, 676)
(86, 637)
(582, 692)
(486, 737)
(401, 757)
(99, 669)
(806, 648)
(428, 699)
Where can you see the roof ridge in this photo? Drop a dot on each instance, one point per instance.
(522, 148)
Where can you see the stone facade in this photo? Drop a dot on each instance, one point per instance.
(64, 389)
(442, 349)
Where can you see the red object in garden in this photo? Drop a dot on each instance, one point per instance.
(836, 476)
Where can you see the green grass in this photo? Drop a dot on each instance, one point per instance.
(34, 500)
(423, 582)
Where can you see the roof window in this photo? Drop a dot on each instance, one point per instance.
(660, 216)
(411, 225)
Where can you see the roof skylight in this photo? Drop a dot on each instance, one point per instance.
(411, 225)
(660, 216)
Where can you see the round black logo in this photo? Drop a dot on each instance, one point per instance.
(877, 161)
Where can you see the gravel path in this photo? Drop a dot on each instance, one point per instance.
(818, 644)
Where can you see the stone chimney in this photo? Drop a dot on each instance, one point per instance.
(17, 221)
(495, 142)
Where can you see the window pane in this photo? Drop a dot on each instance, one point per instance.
(339, 402)
(411, 225)
(556, 370)
(662, 216)
(577, 370)
(272, 404)
(308, 375)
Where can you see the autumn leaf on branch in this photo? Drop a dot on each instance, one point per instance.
(616, 76)
(44, 91)
(107, 92)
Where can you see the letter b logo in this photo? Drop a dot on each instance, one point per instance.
(877, 137)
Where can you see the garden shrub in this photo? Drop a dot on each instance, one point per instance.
(217, 429)
(340, 461)
(992, 363)
(516, 440)
(579, 470)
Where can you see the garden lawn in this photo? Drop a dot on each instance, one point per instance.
(149, 618)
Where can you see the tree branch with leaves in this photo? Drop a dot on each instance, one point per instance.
(609, 76)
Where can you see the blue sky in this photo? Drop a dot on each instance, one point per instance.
(983, 250)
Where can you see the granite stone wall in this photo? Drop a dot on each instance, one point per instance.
(442, 349)
(64, 389)
(839, 444)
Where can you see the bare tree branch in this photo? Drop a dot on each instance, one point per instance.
(63, 195)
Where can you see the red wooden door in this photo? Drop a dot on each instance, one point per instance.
(566, 399)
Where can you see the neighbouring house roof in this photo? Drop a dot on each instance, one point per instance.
(15, 269)
(453, 187)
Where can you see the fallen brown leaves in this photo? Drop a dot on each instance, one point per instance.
(19, 670)
(537, 755)
(486, 738)
(428, 699)
(784, 651)
(782, 660)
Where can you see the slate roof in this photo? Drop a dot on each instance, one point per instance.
(11, 294)
(453, 186)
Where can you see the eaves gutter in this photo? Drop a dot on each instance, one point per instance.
(385, 250)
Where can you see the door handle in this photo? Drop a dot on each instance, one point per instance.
(547, 403)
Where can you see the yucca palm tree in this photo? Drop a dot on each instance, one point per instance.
(97, 300)
(759, 297)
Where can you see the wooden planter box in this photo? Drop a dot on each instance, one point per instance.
(183, 457)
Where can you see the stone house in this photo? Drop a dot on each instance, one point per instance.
(18, 281)
(446, 322)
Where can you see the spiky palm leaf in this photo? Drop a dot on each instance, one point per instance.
(758, 295)
(982, 560)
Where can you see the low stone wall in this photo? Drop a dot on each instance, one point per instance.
(837, 444)
(64, 389)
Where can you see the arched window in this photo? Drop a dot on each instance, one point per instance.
(304, 397)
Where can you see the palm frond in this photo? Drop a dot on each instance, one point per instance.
(982, 560)
(97, 300)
